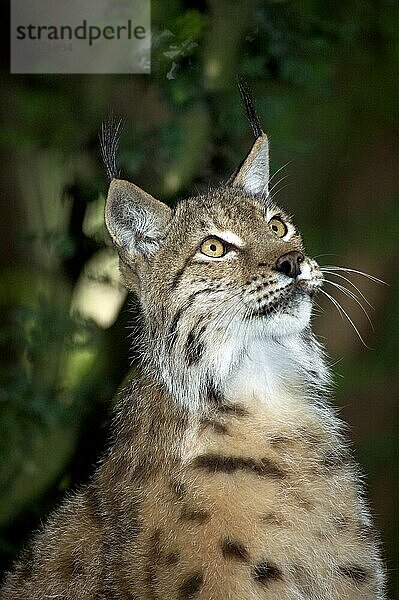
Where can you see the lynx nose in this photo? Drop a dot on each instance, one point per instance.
(289, 263)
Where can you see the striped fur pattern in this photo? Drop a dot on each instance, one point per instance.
(228, 475)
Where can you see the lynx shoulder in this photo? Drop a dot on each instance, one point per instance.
(228, 475)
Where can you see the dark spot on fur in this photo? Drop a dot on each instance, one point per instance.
(172, 331)
(355, 573)
(191, 514)
(154, 540)
(232, 409)
(266, 572)
(178, 488)
(214, 396)
(272, 519)
(302, 501)
(194, 349)
(215, 425)
(70, 564)
(194, 295)
(191, 586)
(233, 549)
(214, 463)
(178, 275)
(172, 558)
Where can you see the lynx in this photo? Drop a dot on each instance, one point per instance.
(228, 474)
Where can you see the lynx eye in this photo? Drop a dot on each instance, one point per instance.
(213, 247)
(278, 227)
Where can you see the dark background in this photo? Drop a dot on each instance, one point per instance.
(325, 78)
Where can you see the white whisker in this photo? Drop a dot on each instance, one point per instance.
(354, 286)
(342, 311)
(281, 189)
(332, 268)
(280, 169)
(351, 295)
(277, 183)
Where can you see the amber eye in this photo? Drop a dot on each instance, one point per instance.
(213, 247)
(278, 227)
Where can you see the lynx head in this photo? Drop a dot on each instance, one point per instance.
(215, 273)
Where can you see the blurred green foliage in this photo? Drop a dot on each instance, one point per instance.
(325, 78)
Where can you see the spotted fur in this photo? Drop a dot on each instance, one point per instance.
(228, 475)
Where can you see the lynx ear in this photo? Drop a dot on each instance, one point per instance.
(135, 220)
(253, 174)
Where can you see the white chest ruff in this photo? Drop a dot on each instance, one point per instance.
(271, 372)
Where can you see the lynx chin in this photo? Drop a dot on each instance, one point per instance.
(228, 475)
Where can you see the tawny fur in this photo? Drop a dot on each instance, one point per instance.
(228, 475)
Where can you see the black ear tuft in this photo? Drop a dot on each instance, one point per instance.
(248, 103)
(109, 141)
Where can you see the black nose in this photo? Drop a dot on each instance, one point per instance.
(289, 263)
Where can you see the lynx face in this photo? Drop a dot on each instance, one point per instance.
(215, 275)
(229, 257)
